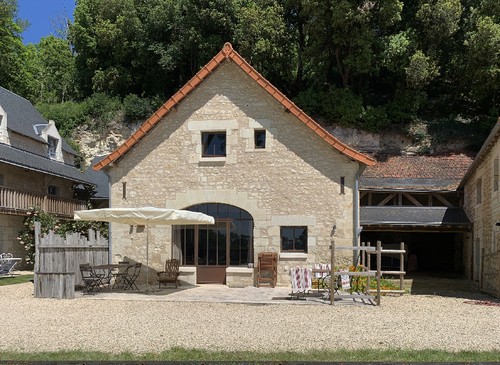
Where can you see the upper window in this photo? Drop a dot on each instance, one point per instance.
(260, 138)
(213, 144)
(294, 239)
(52, 146)
(1, 179)
(53, 190)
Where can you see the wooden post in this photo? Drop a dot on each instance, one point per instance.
(368, 265)
(481, 270)
(332, 271)
(379, 265)
(401, 265)
(363, 255)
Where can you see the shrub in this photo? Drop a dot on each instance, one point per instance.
(136, 107)
(48, 222)
(67, 115)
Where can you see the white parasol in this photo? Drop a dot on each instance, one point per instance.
(144, 216)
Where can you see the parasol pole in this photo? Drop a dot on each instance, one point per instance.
(147, 256)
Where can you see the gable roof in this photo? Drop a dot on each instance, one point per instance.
(227, 53)
(23, 116)
(492, 139)
(416, 172)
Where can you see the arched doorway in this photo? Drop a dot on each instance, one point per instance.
(212, 248)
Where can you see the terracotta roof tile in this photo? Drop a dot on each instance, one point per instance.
(422, 172)
(228, 53)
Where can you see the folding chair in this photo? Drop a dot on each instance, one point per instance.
(130, 279)
(92, 282)
(301, 278)
(119, 276)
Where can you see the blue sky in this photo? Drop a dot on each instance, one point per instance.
(42, 15)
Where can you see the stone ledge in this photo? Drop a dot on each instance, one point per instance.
(240, 270)
(293, 256)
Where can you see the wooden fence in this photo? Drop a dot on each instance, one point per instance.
(366, 261)
(490, 273)
(57, 261)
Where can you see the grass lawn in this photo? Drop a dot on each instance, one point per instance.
(17, 279)
(179, 354)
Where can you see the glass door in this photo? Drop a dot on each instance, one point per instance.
(212, 252)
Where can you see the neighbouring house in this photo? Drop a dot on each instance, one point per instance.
(37, 169)
(414, 199)
(480, 187)
(100, 183)
(231, 145)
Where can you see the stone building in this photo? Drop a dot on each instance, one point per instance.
(482, 205)
(37, 169)
(229, 144)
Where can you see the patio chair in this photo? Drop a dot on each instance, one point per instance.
(171, 274)
(7, 264)
(91, 281)
(301, 278)
(130, 279)
(118, 276)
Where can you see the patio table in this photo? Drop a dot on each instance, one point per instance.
(108, 270)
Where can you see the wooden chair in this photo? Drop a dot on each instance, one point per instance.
(171, 273)
(267, 269)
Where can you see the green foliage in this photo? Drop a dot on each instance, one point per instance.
(48, 222)
(12, 51)
(136, 107)
(237, 357)
(20, 279)
(67, 115)
(421, 70)
(27, 235)
(363, 64)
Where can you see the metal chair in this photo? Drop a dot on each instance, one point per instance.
(119, 276)
(171, 273)
(130, 279)
(92, 282)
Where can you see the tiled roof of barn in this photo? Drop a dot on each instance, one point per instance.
(416, 172)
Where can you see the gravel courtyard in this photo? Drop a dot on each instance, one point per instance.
(119, 324)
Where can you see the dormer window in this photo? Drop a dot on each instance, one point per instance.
(52, 143)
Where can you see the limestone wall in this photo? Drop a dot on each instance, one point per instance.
(484, 215)
(295, 180)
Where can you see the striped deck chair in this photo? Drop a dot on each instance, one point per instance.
(301, 279)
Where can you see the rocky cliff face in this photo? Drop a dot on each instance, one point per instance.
(414, 141)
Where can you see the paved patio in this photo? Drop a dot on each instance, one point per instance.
(213, 293)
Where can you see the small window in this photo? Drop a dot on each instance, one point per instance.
(496, 167)
(213, 144)
(260, 138)
(479, 191)
(52, 147)
(294, 239)
(124, 190)
(53, 190)
(342, 185)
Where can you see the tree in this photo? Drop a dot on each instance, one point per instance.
(12, 51)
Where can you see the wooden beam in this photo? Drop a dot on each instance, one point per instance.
(413, 200)
(386, 200)
(442, 199)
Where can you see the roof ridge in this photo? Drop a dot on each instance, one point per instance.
(228, 53)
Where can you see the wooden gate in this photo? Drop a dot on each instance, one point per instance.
(57, 261)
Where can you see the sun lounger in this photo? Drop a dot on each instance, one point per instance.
(301, 278)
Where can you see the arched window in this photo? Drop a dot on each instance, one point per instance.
(228, 242)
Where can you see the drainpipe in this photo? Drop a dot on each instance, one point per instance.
(110, 253)
(355, 202)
